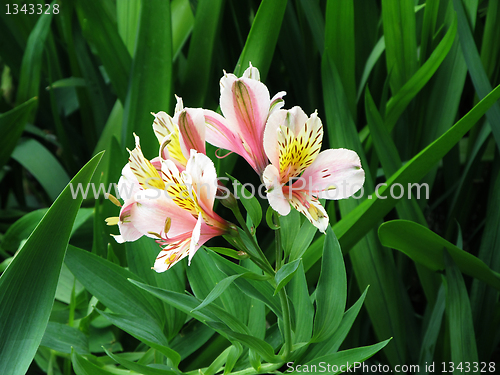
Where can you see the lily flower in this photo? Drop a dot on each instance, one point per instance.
(179, 134)
(246, 105)
(299, 174)
(173, 207)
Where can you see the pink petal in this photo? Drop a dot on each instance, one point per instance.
(296, 119)
(128, 185)
(335, 174)
(245, 105)
(219, 133)
(151, 213)
(311, 209)
(274, 191)
(192, 130)
(172, 254)
(271, 136)
(195, 238)
(204, 179)
(128, 231)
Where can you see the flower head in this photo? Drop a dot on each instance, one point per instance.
(246, 105)
(174, 207)
(299, 173)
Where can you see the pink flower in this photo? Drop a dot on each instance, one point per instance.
(179, 134)
(173, 207)
(299, 173)
(246, 105)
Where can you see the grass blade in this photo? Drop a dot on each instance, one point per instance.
(28, 285)
(340, 44)
(262, 38)
(37, 160)
(201, 49)
(476, 69)
(426, 247)
(101, 30)
(400, 41)
(151, 75)
(31, 66)
(331, 292)
(11, 127)
(459, 314)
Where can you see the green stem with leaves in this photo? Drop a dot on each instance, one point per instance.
(263, 262)
(282, 293)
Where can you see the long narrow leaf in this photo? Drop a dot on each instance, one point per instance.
(28, 285)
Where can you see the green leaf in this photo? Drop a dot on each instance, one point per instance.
(262, 38)
(145, 330)
(400, 41)
(82, 366)
(187, 304)
(220, 287)
(476, 69)
(426, 247)
(204, 276)
(28, 285)
(290, 226)
(459, 314)
(21, 230)
(100, 29)
(339, 43)
(331, 345)
(370, 63)
(285, 274)
(38, 160)
(66, 284)
(303, 309)
(140, 256)
(314, 16)
(182, 24)
(304, 238)
(248, 200)
(483, 298)
(331, 292)
(192, 337)
(201, 50)
(256, 289)
(67, 82)
(127, 19)
(139, 368)
(31, 66)
(108, 282)
(151, 75)
(398, 103)
(260, 346)
(11, 127)
(431, 335)
(346, 358)
(62, 338)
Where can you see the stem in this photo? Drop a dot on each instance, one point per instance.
(267, 266)
(277, 237)
(283, 297)
(287, 324)
(237, 242)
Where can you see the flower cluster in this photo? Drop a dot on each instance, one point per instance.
(173, 194)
